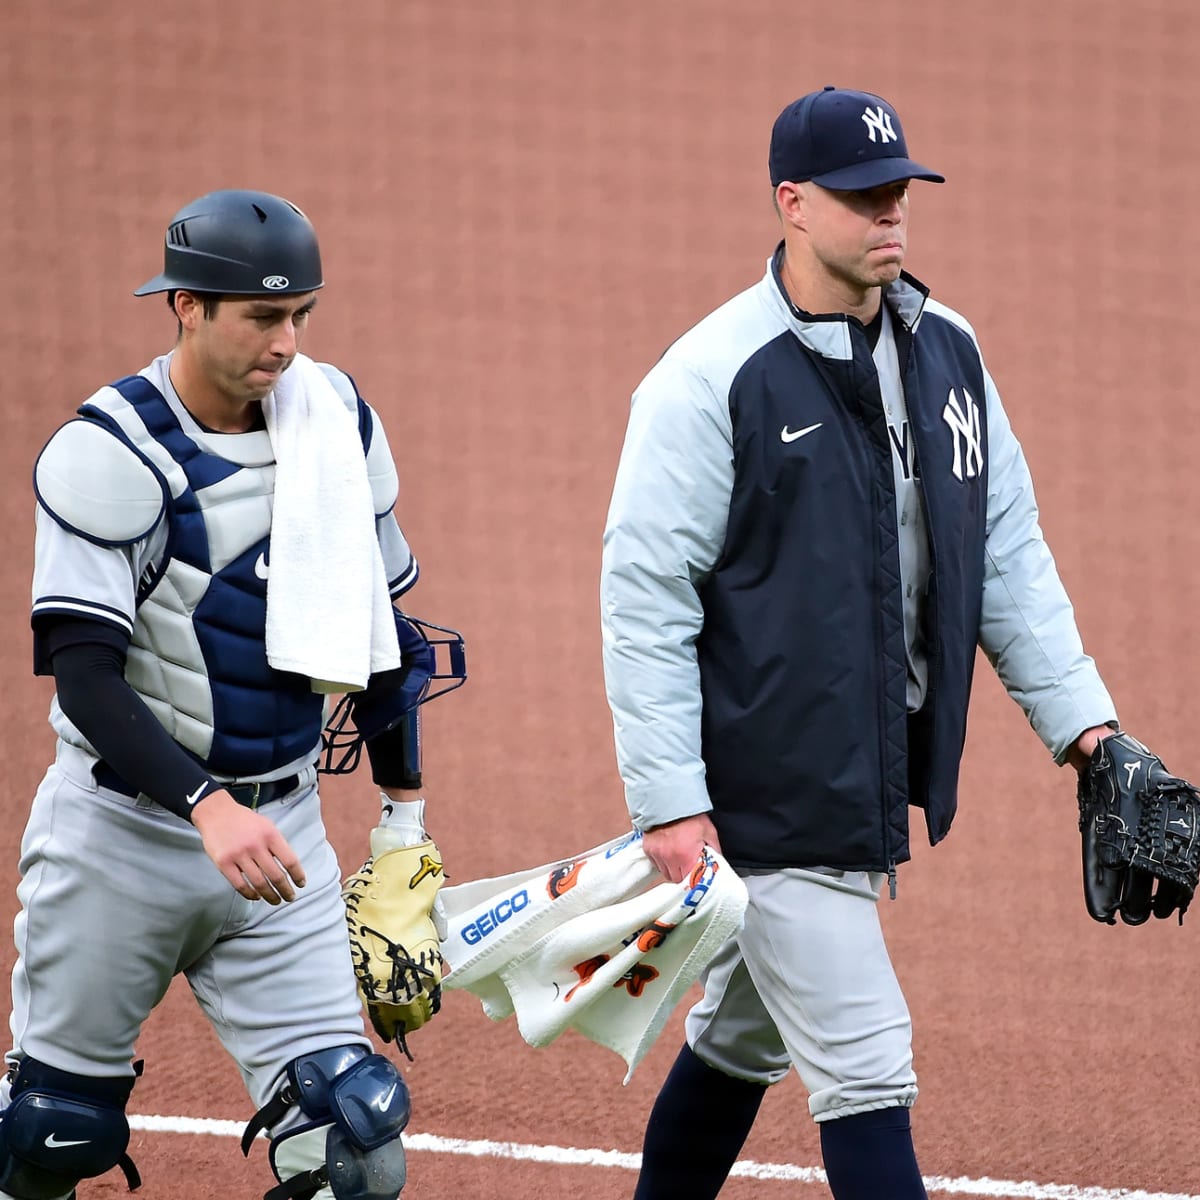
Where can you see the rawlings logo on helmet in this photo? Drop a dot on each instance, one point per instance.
(276, 283)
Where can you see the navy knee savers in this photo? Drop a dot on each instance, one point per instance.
(60, 1128)
(353, 1106)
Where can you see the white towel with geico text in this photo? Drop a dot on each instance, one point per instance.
(598, 943)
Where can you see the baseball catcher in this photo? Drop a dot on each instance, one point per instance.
(1141, 850)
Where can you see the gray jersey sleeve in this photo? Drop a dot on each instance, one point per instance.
(1028, 629)
(76, 577)
(665, 529)
(399, 562)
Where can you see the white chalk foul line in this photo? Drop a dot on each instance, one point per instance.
(999, 1189)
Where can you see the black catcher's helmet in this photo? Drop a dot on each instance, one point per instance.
(239, 243)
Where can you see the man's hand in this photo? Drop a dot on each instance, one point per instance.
(247, 849)
(674, 848)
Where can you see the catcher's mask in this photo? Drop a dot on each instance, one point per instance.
(439, 666)
(239, 243)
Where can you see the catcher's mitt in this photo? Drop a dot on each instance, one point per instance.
(1141, 834)
(393, 941)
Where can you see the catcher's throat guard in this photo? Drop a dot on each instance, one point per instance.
(433, 662)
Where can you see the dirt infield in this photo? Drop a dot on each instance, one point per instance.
(521, 203)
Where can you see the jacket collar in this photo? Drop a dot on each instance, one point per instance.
(828, 334)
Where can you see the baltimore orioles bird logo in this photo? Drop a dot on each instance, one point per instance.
(653, 936)
(704, 865)
(563, 879)
(634, 980)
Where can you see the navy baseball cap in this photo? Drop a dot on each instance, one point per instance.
(842, 140)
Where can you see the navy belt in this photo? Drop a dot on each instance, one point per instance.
(249, 795)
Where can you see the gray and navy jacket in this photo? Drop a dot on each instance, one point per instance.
(752, 597)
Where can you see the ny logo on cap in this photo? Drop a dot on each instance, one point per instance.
(878, 119)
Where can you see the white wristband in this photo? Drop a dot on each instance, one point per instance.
(406, 817)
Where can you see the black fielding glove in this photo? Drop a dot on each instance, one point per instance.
(1140, 827)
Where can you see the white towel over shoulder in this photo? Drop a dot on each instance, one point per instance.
(329, 615)
(592, 943)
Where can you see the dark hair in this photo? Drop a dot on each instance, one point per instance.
(210, 301)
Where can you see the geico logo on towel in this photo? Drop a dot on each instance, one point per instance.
(631, 840)
(478, 929)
